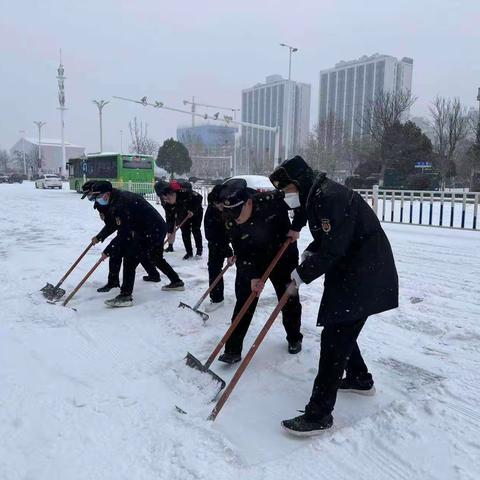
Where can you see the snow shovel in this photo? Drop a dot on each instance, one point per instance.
(54, 292)
(205, 316)
(193, 362)
(84, 279)
(233, 382)
(180, 225)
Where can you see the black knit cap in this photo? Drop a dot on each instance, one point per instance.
(162, 188)
(294, 170)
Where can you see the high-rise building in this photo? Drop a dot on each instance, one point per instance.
(277, 102)
(347, 88)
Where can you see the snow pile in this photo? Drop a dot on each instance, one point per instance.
(91, 394)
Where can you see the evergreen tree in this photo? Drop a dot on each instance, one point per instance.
(173, 157)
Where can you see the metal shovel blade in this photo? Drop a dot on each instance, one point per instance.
(52, 293)
(193, 362)
(204, 316)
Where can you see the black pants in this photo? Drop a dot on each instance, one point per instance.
(215, 265)
(151, 253)
(115, 264)
(339, 352)
(193, 227)
(291, 313)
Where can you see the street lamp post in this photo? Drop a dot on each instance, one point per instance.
(39, 124)
(290, 51)
(100, 104)
(61, 100)
(22, 132)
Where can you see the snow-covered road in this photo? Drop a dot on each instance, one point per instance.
(90, 394)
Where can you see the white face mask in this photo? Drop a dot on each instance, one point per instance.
(292, 199)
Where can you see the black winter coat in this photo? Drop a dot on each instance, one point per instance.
(257, 241)
(352, 250)
(138, 223)
(216, 233)
(109, 220)
(187, 200)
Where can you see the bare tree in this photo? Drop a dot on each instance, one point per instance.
(381, 113)
(450, 126)
(325, 144)
(141, 143)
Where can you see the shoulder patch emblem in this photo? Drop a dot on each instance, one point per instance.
(326, 227)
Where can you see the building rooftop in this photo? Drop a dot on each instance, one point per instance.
(51, 142)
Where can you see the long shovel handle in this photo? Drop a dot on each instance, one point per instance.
(233, 382)
(212, 286)
(84, 279)
(77, 261)
(247, 304)
(180, 225)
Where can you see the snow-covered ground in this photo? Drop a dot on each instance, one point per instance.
(90, 394)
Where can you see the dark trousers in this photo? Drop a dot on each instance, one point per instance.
(215, 265)
(291, 313)
(339, 352)
(193, 227)
(153, 254)
(115, 264)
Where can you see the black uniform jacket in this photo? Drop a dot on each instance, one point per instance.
(109, 220)
(216, 233)
(257, 241)
(138, 222)
(187, 200)
(352, 250)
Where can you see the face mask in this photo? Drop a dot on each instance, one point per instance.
(102, 201)
(292, 199)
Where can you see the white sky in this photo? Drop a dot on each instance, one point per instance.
(171, 50)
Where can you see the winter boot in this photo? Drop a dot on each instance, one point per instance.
(230, 358)
(174, 286)
(122, 300)
(199, 253)
(187, 256)
(107, 287)
(212, 306)
(169, 248)
(295, 347)
(362, 384)
(306, 425)
(148, 278)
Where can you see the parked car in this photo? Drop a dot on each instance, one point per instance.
(48, 181)
(257, 182)
(3, 178)
(15, 178)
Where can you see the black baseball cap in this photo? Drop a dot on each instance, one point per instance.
(99, 188)
(87, 188)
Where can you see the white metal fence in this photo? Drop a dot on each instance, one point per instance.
(414, 207)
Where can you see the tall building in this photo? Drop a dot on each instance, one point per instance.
(347, 88)
(277, 102)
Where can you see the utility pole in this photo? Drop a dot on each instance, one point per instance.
(290, 51)
(61, 100)
(100, 104)
(39, 124)
(22, 132)
(475, 177)
(193, 104)
(290, 98)
(121, 142)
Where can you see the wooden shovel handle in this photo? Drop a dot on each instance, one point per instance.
(77, 261)
(180, 225)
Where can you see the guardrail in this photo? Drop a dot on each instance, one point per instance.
(414, 207)
(420, 207)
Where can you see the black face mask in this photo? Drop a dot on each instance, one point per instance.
(232, 213)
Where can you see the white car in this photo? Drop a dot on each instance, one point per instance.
(257, 182)
(49, 181)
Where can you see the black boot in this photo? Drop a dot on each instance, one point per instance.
(362, 384)
(108, 287)
(169, 248)
(187, 256)
(178, 286)
(295, 347)
(148, 278)
(230, 358)
(199, 253)
(306, 425)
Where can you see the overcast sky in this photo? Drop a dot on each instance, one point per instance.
(171, 50)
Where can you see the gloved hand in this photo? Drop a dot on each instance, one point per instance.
(295, 284)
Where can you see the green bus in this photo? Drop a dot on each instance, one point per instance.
(114, 167)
